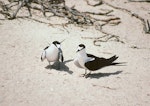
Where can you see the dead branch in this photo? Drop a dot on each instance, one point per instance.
(52, 6)
(59, 9)
(109, 19)
(132, 14)
(139, 0)
(99, 13)
(104, 38)
(148, 27)
(106, 87)
(107, 36)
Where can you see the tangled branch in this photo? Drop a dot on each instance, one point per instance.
(139, 0)
(60, 9)
(146, 27)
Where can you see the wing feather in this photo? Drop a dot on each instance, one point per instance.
(60, 54)
(43, 56)
(98, 63)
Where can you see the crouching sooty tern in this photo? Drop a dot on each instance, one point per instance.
(91, 62)
(53, 53)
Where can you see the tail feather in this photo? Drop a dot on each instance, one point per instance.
(112, 59)
(43, 56)
(119, 64)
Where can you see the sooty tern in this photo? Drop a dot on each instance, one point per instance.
(91, 62)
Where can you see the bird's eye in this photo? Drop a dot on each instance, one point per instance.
(80, 48)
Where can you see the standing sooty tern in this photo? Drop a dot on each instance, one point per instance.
(91, 62)
(53, 53)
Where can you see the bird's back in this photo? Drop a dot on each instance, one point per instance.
(98, 63)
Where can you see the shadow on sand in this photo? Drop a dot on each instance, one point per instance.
(99, 75)
(62, 67)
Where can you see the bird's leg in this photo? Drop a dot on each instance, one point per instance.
(83, 75)
(49, 65)
(87, 75)
(85, 72)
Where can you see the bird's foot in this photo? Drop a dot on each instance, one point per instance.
(87, 75)
(82, 75)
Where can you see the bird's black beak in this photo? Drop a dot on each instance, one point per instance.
(77, 50)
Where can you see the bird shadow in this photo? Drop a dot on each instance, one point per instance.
(99, 75)
(62, 67)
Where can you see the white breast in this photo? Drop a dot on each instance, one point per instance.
(52, 53)
(82, 60)
(76, 62)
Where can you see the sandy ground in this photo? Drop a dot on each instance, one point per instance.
(25, 80)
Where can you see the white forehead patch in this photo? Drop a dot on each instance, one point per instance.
(79, 48)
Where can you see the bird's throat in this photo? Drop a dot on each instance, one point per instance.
(82, 54)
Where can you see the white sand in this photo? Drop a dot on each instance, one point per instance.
(24, 80)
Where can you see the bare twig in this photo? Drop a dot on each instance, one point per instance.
(104, 87)
(148, 27)
(107, 35)
(139, 0)
(99, 13)
(73, 15)
(6, 14)
(131, 13)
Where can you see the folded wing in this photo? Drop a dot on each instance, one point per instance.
(60, 54)
(98, 63)
(43, 56)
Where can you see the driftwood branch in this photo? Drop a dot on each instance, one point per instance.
(139, 0)
(148, 27)
(106, 87)
(58, 8)
(132, 14)
(99, 13)
(107, 36)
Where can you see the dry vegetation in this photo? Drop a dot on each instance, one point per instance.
(115, 27)
(60, 9)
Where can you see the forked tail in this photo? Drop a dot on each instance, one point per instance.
(112, 59)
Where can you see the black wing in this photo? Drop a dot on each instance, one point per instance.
(60, 54)
(98, 63)
(46, 48)
(61, 57)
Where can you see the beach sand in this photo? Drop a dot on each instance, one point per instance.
(25, 80)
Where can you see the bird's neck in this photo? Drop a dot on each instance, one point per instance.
(82, 53)
(53, 46)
